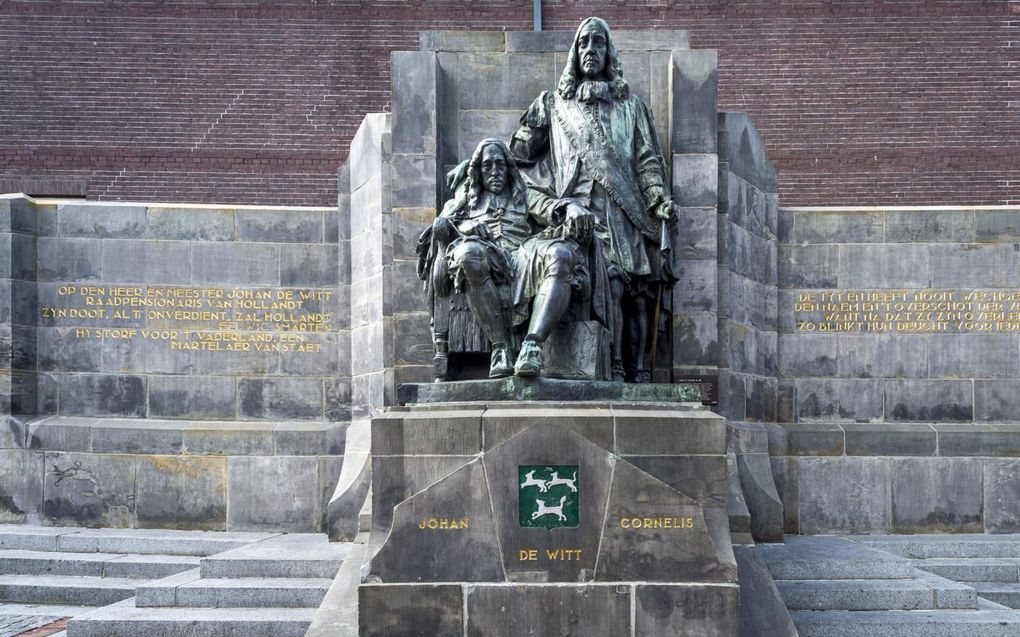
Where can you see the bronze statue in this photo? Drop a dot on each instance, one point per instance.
(593, 144)
(519, 255)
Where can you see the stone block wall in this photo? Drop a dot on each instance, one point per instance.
(899, 365)
(168, 365)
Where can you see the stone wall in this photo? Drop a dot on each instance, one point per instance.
(171, 365)
(899, 364)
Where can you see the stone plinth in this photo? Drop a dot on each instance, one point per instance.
(531, 517)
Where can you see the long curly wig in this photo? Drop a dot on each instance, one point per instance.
(518, 188)
(572, 75)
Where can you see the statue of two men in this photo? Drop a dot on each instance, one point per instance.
(587, 231)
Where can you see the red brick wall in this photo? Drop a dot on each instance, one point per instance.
(861, 102)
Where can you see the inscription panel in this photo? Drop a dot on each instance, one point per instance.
(193, 318)
(907, 311)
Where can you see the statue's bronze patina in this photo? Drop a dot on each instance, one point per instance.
(585, 235)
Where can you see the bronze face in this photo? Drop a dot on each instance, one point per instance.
(592, 48)
(493, 169)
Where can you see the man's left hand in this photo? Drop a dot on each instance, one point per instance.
(665, 210)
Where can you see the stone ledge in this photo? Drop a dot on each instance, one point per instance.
(999, 440)
(180, 437)
(515, 388)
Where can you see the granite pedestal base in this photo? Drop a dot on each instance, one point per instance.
(548, 518)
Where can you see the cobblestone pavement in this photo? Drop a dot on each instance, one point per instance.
(11, 625)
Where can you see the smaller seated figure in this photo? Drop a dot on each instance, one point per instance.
(519, 255)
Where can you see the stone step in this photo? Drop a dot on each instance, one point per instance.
(65, 589)
(946, 546)
(830, 557)
(971, 569)
(135, 541)
(292, 555)
(125, 620)
(250, 592)
(856, 595)
(44, 610)
(905, 623)
(14, 561)
(1005, 593)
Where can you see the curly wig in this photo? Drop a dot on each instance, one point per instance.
(572, 75)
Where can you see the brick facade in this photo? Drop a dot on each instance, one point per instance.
(861, 103)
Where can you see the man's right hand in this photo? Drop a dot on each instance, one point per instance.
(580, 222)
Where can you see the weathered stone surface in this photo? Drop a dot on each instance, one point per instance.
(309, 265)
(802, 355)
(933, 495)
(62, 259)
(228, 438)
(883, 356)
(647, 430)
(445, 533)
(882, 266)
(694, 119)
(189, 223)
(192, 397)
(839, 400)
(743, 148)
(410, 610)
(698, 232)
(413, 107)
(974, 356)
(706, 611)
(762, 610)
(396, 478)
(137, 436)
(702, 478)
(697, 179)
(281, 226)
(274, 493)
(844, 495)
(549, 445)
(241, 263)
(102, 395)
(929, 226)
(182, 493)
(509, 611)
(838, 227)
(808, 266)
(106, 221)
(973, 265)
(929, 400)
(1002, 492)
(147, 262)
(785, 472)
(890, 439)
(979, 439)
(633, 549)
(763, 501)
(21, 484)
(90, 489)
(58, 349)
(445, 432)
(280, 398)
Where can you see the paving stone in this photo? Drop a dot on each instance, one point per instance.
(128, 621)
(856, 594)
(969, 569)
(153, 541)
(831, 558)
(946, 545)
(252, 592)
(289, 555)
(948, 594)
(938, 623)
(65, 589)
(1005, 593)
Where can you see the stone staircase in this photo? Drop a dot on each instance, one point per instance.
(840, 587)
(115, 582)
(266, 589)
(990, 564)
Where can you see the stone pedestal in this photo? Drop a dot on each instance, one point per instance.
(535, 518)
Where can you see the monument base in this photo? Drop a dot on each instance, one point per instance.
(529, 518)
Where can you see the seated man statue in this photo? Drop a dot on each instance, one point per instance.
(519, 255)
(592, 142)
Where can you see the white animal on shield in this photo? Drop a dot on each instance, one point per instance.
(556, 479)
(531, 481)
(545, 509)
